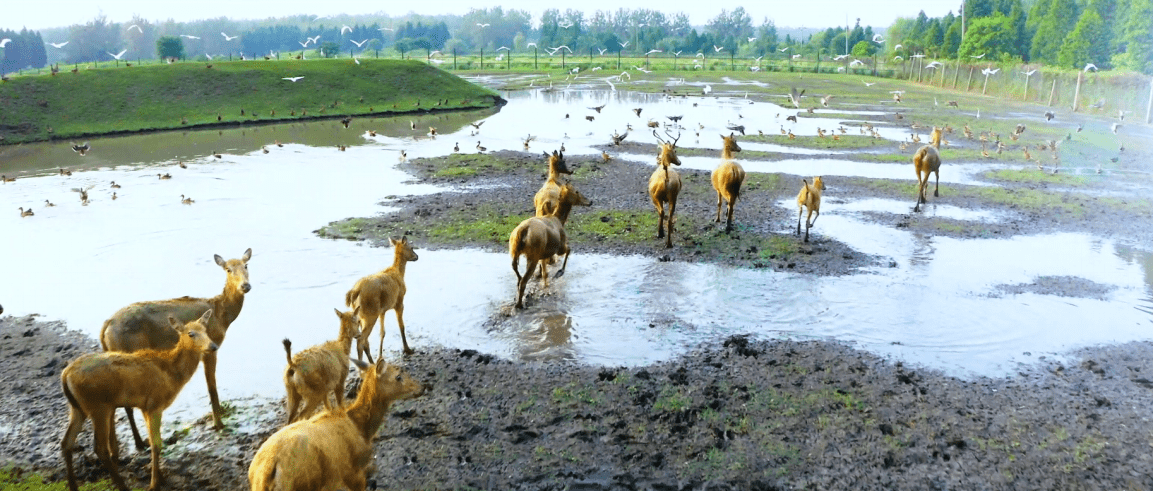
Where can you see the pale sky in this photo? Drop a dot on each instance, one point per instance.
(40, 14)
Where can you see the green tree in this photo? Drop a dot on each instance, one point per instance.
(991, 36)
(975, 9)
(1051, 31)
(1137, 38)
(329, 49)
(170, 47)
(1086, 44)
(863, 49)
(952, 41)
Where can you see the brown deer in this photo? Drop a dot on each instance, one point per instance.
(334, 449)
(378, 293)
(727, 179)
(928, 160)
(541, 238)
(665, 185)
(809, 197)
(320, 370)
(548, 197)
(97, 383)
(144, 325)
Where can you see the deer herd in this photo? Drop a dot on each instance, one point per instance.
(152, 349)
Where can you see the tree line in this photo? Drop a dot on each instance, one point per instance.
(1105, 33)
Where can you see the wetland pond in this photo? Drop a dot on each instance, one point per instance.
(963, 306)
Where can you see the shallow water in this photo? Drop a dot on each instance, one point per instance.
(939, 306)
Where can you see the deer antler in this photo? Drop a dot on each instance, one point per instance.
(678, 137)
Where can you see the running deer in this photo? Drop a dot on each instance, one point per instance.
(97, 383)
(144, 325)
(928, 160)
(541, 238)
(727, 179)
(378, 293)
(809, 197)
(665, 185)
(547, 199)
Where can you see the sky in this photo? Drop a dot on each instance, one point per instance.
(40, 14)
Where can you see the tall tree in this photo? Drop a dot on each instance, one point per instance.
(170, 47)
(1086, 44)
(1137, 38)
(991, 37)
(1051, 31)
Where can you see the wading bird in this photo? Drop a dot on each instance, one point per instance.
(118, 55)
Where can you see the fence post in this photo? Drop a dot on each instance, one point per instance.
(818, 61)
(482, 58)
(1025, 96)
(618, 59)
(562, 59)
(1149, 108)
(969, 83)
(1077, 91)
(1053, 90)
(534, 67)
(454, 60)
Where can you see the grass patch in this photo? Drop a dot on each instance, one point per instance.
(14, 478)
(1036, 176)
(845, 142)
(488, 224)
(160, 96)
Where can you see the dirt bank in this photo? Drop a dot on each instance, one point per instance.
(736, 414)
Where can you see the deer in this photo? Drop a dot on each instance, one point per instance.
(96, 384)
(548, 197)
(378, 293)
(665, 185)
(143, 325)
(542, 237)
(809, 197)
(727, 179)
(332, 450)
(320, 370)
(928, 160)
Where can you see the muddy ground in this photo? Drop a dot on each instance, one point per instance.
(737, 414)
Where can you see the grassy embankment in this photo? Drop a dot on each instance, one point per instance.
(158, 97)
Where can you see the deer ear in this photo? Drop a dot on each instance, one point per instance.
(546, 155)
(359, 364)
(204, 319)
(219, 260)
(172, 321)
(247, 255)
(338, 313)
(392, 241)
(356, 310)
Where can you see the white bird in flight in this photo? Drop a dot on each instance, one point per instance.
(4, 42)
(189, 36)
(782, 50)
(1030, 72)
(343, 28)
(624, 44)
(602, 50)
(565, 25)
(292, 79)
(386, 29)
(651, 51)
(482, 26)
(982, 55)
(990, 71)
(134, 26)
(877, 38)
(1090, 66)
(358, 44)
(227, 37)
(934, 64)
(897, 58)
(754, 38)
(206, 55)
(303, 44)
(717, 49)
(59, 45)
(118, 55)
(315, 39)
(530, 45)
(797, 56)
(898, 46)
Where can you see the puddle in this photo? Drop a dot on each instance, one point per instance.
(904, 208)
(933, 308)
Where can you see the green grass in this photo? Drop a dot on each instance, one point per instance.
(110, 100)
(17, 479)
(1036, 176)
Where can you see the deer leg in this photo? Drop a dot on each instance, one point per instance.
(76, 419)
(339, 390)
(135, 433)
(672, 210)
(814, 218)
(380, 352)
(367, 320)
(937, 186)
(660, 220)
(521, 284)
(113, 442)
(564, 264)
(152, 419)
(732, 206)
(400, 322)
(100, 431)
(210, 375)
(719, 200)
(800, 215)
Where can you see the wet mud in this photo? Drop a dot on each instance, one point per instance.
(734, 414)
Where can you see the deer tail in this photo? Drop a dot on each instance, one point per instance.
(352, 295)
(288, 352)
(68, 394)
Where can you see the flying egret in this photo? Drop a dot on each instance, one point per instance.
(59, 45)
(1030, 72)
(386, 29)
(227, 37)
(189, 36)
(752, 39)
(717, 49)
(982, 55)
(990, 71)
(565, 25)
(292, 79)
(303, 44)
(899, 46)
(602, 50)
(877, 38)
(358, 44)
(134, 26)
(4, 42)
(482, 26)
(624, 44)
(344, 28)
(782, 50)
(651, 51)
(1090, 66)
(118, 55)
(315, 39)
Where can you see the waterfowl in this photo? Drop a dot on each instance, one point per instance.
(64, 172)
(217, 155)
(480, 148)
(81, 149)
(456, 147)
(264, 149)
(182, 166)
(25, 213)
(345, 122)
(114, 196)
(48, 204)
(164, 176)
(114, 185)
(186, 201)
(7, 179)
